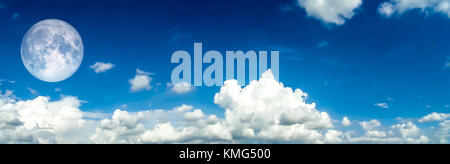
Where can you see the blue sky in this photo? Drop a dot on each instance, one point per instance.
(346, 69)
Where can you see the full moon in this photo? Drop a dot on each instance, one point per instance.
(52, 50)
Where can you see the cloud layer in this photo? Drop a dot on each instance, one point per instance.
(265, 111)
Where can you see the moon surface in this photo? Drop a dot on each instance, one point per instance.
(52, 50)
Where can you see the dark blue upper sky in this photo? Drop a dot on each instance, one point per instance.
(368, 60)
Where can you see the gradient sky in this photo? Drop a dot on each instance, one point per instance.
(345, 69)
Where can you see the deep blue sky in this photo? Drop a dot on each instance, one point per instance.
(366, 61)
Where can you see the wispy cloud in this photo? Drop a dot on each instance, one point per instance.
(447, 63)
(382, 105)
(288, 7)
(322, 44)
(178, 36)
(15, 16)
(288, 53)
(33, 91)
(390, 99)
(6, 81)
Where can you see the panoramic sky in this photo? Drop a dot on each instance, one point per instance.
(351, 71)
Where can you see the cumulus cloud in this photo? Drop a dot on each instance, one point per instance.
(407, 133)
(41, 120)
(406, 130)
(141, 81)
(265, 111)
(331, 11)
(401, 6)
(346, 121)
(194, 115)
(180, 88)
(100, 67)
(160, 126)
(433, 117)
(444, 133)
(370, 125)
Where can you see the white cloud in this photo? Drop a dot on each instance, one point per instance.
(194, 115)
(386, 9)
(41, 120)
(331, 11)
(407, 129)
(183, 108)
(370, 125)
(265, 111)
(160, 126)
(401, 6)
(390, 140)
(180, 88)
(269, 111)
(346, 121)
(9, 119)
(375, 133)
(382, 105)
(400, 133)
(444, 133)
(164, 133)
(100, 67)
(123, 127)
(141, 81)
(433, 117)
